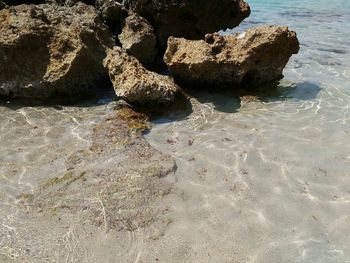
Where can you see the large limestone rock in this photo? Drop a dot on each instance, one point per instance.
(256, 56)
(136, 84)
(48, 50)
(138, 39)
(191, 19)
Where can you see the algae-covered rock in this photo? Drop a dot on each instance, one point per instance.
(102, 193)
(120, 171)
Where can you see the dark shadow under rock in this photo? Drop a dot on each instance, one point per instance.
(231, 100)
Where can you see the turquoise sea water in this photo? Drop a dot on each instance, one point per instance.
(259, 181)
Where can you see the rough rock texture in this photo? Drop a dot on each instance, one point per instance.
(48, 50)
(256, 56)
(188, 18)
(136, 84)
(138, 39)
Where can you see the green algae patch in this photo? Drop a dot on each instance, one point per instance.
(119, 130)
(56, 180)
(135, 121)
(68, 178)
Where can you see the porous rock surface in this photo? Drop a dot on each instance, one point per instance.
(138, 39)
(136, 84)
(256, 56)
(191, 19)
(50, 50)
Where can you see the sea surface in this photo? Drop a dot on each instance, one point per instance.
(257, 180)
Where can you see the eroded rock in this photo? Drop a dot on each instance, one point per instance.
(256, 56)
(136, 84)
(47, 51)
(138, 39)
(190, 19)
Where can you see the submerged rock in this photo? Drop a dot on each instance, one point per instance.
(256, 56)
(190, 19)
(50, 50)
(138, 39)
(136, 84)
(110, 189)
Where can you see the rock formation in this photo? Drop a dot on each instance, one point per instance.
(188, 18)
(138, 39)
(59, 49)
(48, 50)
(136, 84)
(256, 56)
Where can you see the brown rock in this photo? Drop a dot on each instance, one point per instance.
(136, 84)
(256, 56)
(188, 18)
(138, 39)
(49, 50)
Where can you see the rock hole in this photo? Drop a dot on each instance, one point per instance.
(209, 38)
(216, 50)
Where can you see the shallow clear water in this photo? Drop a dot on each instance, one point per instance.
(270, 181)
(256, 181)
